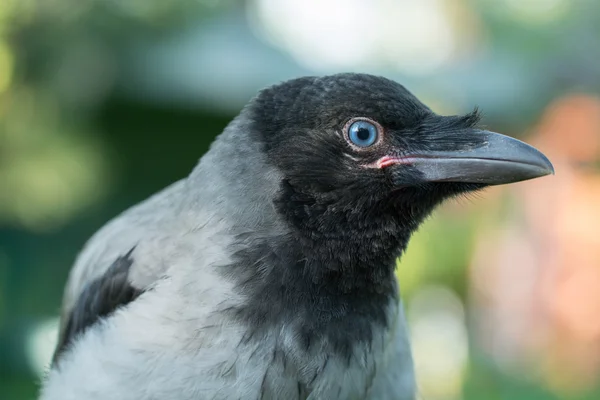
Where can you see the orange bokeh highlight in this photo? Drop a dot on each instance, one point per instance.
(536, 280)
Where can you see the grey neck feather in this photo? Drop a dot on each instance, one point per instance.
(235, 181)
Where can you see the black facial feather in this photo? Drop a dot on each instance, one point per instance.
(326, 189)
(332, 277)
(438, 130)
(320, 105)
(98, 300)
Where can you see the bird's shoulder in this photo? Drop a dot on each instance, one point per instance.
(142, 223)
(118, 263)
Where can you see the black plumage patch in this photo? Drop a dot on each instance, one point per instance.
(331, 275)
(333, 281)
(99, 299)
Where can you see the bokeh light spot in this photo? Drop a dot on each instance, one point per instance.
(6, 66)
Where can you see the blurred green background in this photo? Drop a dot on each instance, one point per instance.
(103, 102)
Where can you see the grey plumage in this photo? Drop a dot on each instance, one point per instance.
(268, 272)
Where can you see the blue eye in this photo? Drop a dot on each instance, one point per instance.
(363, 133)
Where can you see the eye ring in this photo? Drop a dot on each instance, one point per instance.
(362, 133)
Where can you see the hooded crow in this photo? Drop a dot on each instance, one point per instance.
(268, 273)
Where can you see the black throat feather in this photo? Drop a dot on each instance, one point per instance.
(331, 277)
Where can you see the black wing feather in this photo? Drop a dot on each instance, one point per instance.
(98, 300)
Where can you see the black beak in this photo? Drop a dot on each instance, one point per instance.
(499, 159)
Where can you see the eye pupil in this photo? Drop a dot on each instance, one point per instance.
(363, 133)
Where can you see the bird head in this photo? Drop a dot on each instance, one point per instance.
(354, 148)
